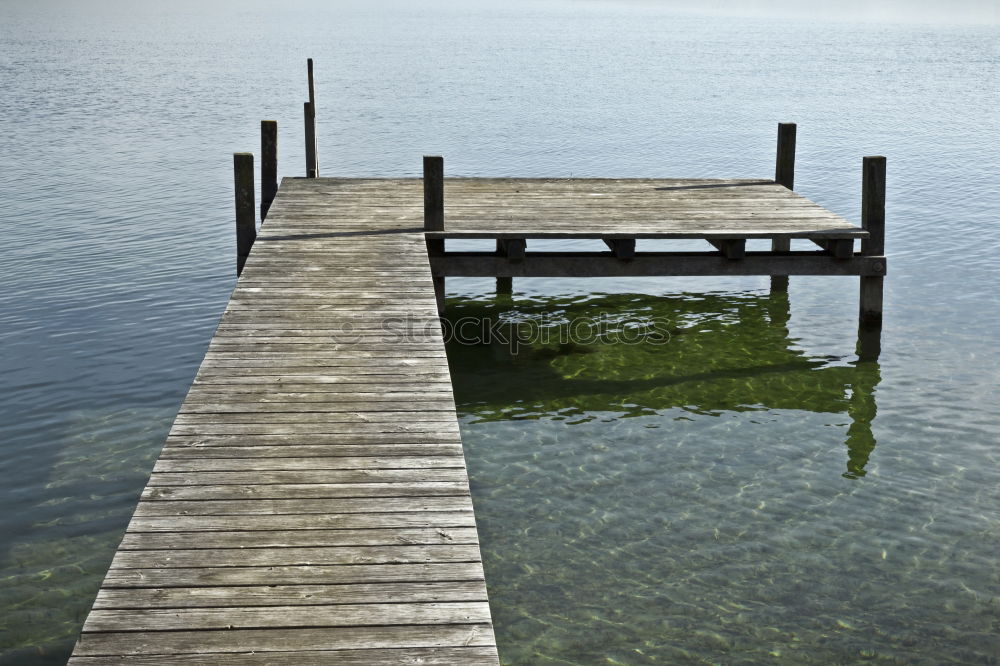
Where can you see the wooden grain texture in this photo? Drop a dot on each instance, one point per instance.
(311, 503)
(286, 595)
(246, 225)
(435, 656)
(450, 656)
(277, 643)
(268, 165)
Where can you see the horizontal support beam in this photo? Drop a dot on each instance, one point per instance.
(622, 248)
(648, 264)
(675, 234)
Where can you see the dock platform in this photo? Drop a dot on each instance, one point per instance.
(311, 503)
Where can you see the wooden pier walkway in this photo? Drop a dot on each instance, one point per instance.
(311, 503)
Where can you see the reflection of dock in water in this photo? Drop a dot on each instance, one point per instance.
(722, 352)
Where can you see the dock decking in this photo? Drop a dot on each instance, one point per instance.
(311, 503)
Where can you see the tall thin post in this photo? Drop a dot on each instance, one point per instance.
(312, 169)
(268, 165)
(873, 221)
(246, 225)
(312, 153)
(434, 215)
(784, 174)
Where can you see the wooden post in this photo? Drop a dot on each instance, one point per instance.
(246, 225)
(505, 285)
(873, 221)
(312, 153)
(433, 193)
(434, 215)
(784, 174)
(312, 170)
(268, 165)
(784, 164)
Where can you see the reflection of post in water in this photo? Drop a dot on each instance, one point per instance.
(862, 409)
(779, 310)
(505, 285)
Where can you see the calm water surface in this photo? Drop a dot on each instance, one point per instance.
(746, 493)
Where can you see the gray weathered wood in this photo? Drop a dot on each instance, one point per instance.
(245, 642)
(292, 556)
(286, 595)
(309, 117)
(179, 619)
(268, 165)
(145, 541)
(293, 574)
(246, 225)
(433, 193)
(312, 148)
(312, 493)
(873, 221)
(784, 166)
(433, 656)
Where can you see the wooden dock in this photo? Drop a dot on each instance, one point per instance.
(311, 503)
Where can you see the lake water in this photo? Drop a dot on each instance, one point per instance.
(746, 493)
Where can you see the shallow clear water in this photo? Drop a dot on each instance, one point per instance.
(746, 492)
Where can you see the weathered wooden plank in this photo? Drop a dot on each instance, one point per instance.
(203, 405)
(245, 642)
(290, 575)
(309, 417)
(312, 463)
(347, 521)
(290, 450)
(299, 506)
(304, 428)
(356, 475)
(287, 595)
(291, 556)
(437, 656)
(299, 538)
(439, 436)
(346, 615)
(305, 491)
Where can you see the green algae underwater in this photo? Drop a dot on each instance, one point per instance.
(699, 496)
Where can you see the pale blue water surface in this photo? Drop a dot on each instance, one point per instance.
(747, 493)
